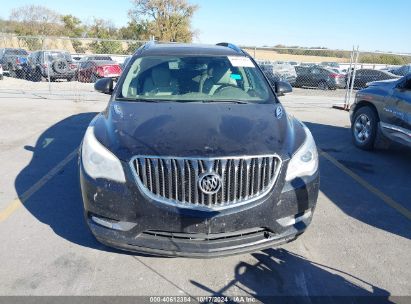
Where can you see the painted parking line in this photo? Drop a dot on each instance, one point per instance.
(17, 203)
(385, 198)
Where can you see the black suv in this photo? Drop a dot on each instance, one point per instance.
(12, 61)
(382, 113)
(195, 156)
(51, 64)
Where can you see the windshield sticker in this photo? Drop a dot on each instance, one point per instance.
(173, 65)
(236, 76)
(241, 61)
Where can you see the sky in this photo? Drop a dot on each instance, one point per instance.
(371, 24)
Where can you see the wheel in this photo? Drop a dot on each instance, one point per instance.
(37, 76)
(364, 128)
(93, 78)
(21, 74)
(322, 85)
(12, 74)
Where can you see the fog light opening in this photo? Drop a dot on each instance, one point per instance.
(294, 219)
(112, 224)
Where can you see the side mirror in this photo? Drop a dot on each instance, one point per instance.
(104, 85)
(282, 88)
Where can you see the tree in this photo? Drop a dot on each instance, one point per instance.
(133, 31)
(167, 20)
(72, 26)
(104, 29)
(36, 20)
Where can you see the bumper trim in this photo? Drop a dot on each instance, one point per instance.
(199, 246)
(200, 255)
(292, 220)
(112, 224)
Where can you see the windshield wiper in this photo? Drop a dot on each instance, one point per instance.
(142, 100)
(235, 101)
(221, 101)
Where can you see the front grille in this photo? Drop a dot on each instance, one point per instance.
(176, 180)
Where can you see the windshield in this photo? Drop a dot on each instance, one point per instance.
(195, 78)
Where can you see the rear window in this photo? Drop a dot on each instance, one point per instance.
(53, 56)
(16, 52)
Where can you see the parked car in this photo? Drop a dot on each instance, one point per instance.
(339, 71)
(284, 70)
(90, 71)
(76, 58)
(319, 77)
(274, 78)
(11, 60)
(364, 76)
(330, 64)
(307, 64)
(96, 57)
(184, 165)
(381, 113)
(53, 64)
(401, 71)
(76, 62)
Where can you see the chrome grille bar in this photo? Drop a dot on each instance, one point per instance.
(175, 181)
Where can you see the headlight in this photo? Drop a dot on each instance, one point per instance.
(305, 161)
(98, 161)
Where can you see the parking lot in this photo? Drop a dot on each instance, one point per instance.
(358, 244)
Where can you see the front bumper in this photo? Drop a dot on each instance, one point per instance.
(142, 225)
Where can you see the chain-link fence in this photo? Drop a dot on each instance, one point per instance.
(69, 66)
(61, 67)
(334, 74)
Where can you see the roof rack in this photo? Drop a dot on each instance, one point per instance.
(231, 46)
(145, 46)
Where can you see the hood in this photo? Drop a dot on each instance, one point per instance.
(195, 130)
(388, 82)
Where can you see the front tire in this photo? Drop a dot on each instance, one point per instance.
(322, 85)
(36, 76)
(364, 128)
(93, 78)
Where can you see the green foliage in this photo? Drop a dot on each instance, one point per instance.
(78, 46)
(384, 58)
(132, 47)
(364, 57)
(106, 47)
(72, 26)
(166, 20)
(315, 52)
(133, 31)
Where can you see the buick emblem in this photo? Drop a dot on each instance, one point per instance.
(279, 112)
(209, 183)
